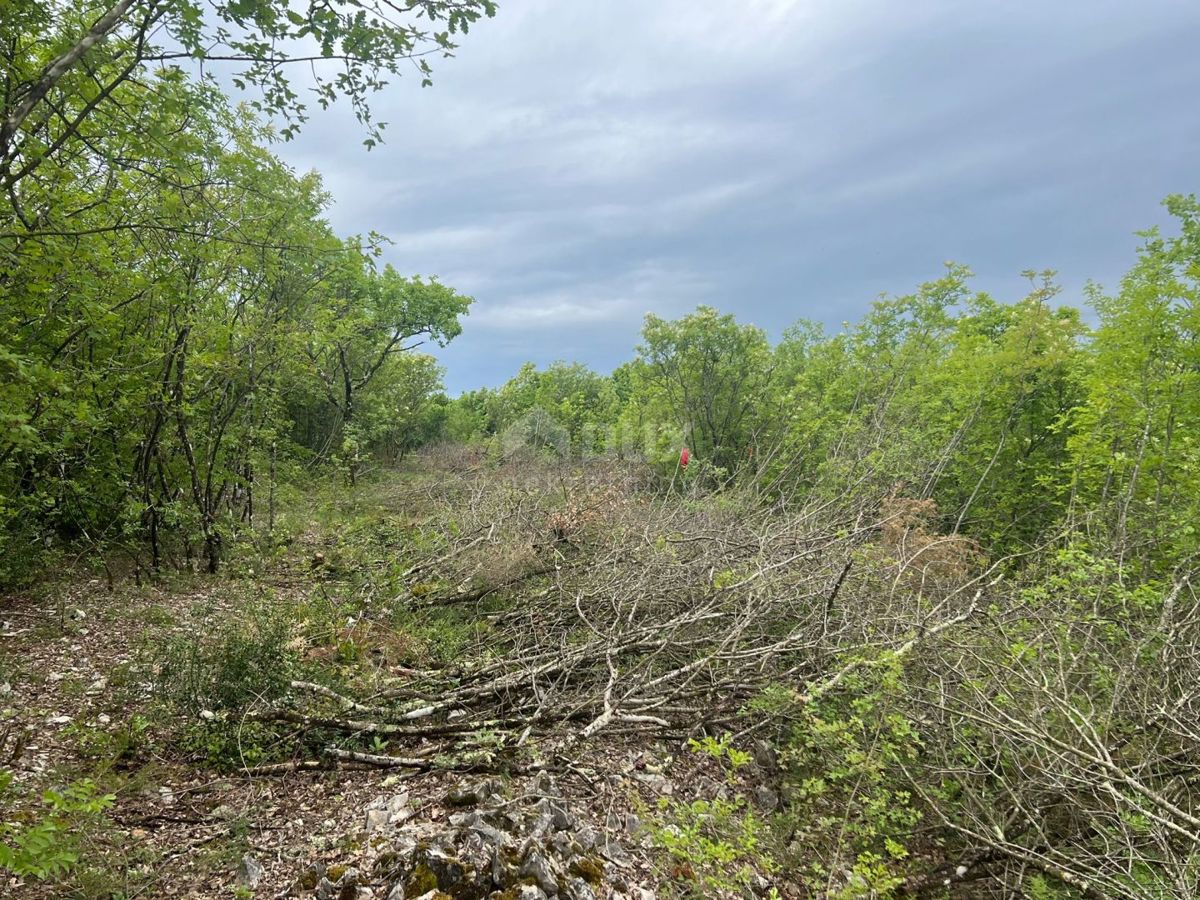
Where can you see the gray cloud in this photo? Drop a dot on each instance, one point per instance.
(581, 164)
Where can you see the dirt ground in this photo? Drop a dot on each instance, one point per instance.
(77, 702)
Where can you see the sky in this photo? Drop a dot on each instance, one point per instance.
(581, 163)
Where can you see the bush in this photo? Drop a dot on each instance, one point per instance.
(48, 847)
(716, 846)
(244, 662)
(215, 680)
(850, 809)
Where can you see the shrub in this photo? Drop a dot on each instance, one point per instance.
(243, 662)
(851, 811)
(716, 845)
(48, 847)
(215, 680)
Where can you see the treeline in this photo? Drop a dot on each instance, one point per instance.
(179, 325)
(1019, 420)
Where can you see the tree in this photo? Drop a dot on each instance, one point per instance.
(574, 397)
(61, 67)
(1135, 455)
(372, 317)
(153, 345)
(709, 375)
(402, 409)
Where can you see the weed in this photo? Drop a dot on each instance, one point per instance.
(48, 847)
(214, 681)
(716, 846)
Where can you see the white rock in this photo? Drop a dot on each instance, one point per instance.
(250, 872)
(376, 819)
(656, 782)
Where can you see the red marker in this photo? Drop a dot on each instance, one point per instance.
(683, 458)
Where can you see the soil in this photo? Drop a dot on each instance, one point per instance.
(77, 701)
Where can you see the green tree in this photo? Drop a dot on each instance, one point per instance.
(1135, 452)
(64, 66)
(708, 375)
(371, 318)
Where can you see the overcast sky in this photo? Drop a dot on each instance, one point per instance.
(583, 162)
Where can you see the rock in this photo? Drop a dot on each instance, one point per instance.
(656, 782)
(472, 794)
(765, 756)
(250, 872)
(311, 876)
(562, 844)
(560, 818)
(539, 868)
(104, 719)
(488, 845)
(588, 869)
(578, 889)
(404, 844)
(448, 872)
(460, 795)
(493, 837)
(610, 849)
(342, 887)
(399, 809)
(385, 811)
(587, 837)
(766, 798)
(377, 819)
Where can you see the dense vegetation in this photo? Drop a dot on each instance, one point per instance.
(940, 565)
(178, 319)
(1021, 421)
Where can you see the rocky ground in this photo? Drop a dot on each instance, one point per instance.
(77, 702)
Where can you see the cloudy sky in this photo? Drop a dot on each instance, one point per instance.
(584, 162)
